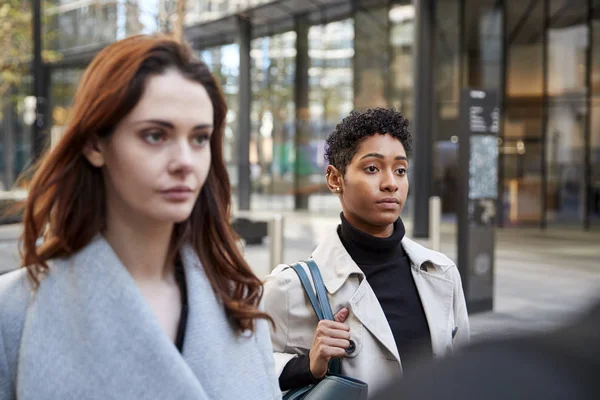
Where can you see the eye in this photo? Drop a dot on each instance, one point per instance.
(371, 169)
(154, 137)
(401, 171)
(201, 139)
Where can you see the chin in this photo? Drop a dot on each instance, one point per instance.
(174, 216)
(386, 218)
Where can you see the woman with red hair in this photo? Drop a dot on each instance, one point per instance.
(132, 285)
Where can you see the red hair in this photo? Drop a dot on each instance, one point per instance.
(66, 203)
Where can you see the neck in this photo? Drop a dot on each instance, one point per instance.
(142, 246)
(366, 249)
(384, 231)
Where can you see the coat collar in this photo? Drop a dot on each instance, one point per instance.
(435, 291)
(102, 337)
(337, 265)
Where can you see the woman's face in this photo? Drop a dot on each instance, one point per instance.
(157, 160)
(374, 188)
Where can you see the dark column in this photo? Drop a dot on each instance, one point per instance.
(544, 159)
(8, 141)
(39, 88)
(245, 92)
(303, 131)
(503, 104)
(422, 120)
(588, 121)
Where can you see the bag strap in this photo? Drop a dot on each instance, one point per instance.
(308, 289)
(318, 300)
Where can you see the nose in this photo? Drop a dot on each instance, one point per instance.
(388, 182)
(181, 161)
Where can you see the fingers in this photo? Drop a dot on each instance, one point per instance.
(327, 353)
(336, 343)
(332, 325)
(325, 331)
(341, 315)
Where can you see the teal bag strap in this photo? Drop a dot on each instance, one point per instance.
(320, 288)
(308, 289)
(319, 301)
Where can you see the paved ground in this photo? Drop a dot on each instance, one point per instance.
(542, 278)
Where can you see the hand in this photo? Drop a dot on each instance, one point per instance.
(331, 340)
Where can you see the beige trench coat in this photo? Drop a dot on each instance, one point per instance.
(375, 360)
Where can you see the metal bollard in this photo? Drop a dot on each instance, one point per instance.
(435, 220)
(276, 237)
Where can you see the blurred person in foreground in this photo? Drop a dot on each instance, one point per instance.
(132, 284)
(563, 364)
(395, 300)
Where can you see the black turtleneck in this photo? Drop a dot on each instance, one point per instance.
(387, 269)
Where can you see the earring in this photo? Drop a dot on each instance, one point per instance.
(337, 189)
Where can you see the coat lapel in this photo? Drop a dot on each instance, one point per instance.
(435, 291)
(89, 333)
(336, 267)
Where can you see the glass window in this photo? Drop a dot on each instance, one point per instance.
(402, 27)
(224, 63)
(371, 60)
(272, 134)
(595, 126)
(483, 43)
(447, 92)
(64, 83)
(330, 98)
(522, 143)
(567, 111)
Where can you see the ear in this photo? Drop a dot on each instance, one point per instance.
(334, 180)
(93, 151)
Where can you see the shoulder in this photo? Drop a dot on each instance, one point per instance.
(282, 292)
(420, 254)
(280, 278)
(15, 290)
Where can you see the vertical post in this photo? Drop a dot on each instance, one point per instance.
(503, 104)
(245, 92)
(8, 141)
(422, 125)
(588, 121)
(39, 126)
(435, 222)
(277, 240)
(544, 136)
(462, 48)
(479, 126)
(303, 131)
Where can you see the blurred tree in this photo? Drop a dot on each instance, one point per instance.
(16, 44)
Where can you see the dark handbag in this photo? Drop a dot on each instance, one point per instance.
(334, 385)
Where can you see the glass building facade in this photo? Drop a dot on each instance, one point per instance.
(542, 56)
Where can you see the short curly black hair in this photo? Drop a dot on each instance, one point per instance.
(343, 142)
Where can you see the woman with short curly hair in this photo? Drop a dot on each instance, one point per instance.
(396, 302)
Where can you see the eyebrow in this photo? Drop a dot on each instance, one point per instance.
(169, 125)
(381, 157)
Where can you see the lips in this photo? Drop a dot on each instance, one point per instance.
(388, 200)
(177, 193)
(389, 204)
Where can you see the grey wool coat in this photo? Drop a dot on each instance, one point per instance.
(88, 333)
